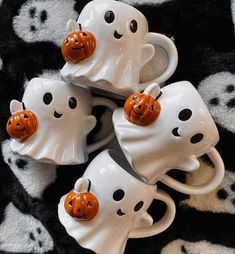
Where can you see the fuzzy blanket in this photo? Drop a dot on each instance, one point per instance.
(30, 38)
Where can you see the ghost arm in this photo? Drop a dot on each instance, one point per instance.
(162, 224)
(205, 187)
(16, 106)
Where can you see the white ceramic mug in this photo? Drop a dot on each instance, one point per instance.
(123, 202)
(123, 47)
(64, 119)
(183, 131)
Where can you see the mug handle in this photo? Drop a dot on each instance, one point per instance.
(203, 188)
(99, 101)
(163, 223)
(169, 46)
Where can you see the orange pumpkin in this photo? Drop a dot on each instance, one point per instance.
(22, 125)
(141, 109)
(77, 46)
(81, 205)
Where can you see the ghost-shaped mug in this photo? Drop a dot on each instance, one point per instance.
(64, 120)
(123, 203)
(124, 48)
(183, 131)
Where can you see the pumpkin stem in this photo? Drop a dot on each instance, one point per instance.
(82, 185)
(80, 26)
(23, 105)
(153, 90)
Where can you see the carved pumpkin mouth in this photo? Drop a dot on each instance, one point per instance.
(120, 212)
(139, 114)
(117, 35)
(23, 129)
(78, 48)
(57, 115)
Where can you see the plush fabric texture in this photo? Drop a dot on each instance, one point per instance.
(31, 33)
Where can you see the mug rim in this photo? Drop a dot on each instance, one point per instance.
(120, 159)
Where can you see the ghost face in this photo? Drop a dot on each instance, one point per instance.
(183, 131)
(123, 202)
(64, 120)
(117, 23)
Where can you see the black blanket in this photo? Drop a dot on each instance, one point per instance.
(30, 38)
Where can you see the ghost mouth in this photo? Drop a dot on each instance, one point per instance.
(78, 48)
(175, 132)
(57, 115)
(117, 35)
(120, 213)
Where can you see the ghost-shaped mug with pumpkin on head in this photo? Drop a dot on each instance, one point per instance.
(53, 120)
(122, 48)
(168, 131)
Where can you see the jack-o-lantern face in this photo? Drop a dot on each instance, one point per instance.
(77, 46)
(81, 205)
(22, 125)
(141, 109)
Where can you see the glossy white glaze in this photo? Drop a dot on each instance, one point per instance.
(170, 141)
(62, 130)
(116, 221)
(120, 54)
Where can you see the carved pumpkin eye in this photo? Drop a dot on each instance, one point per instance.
(89, 203)
(133, 26)
(151, 107)
(84, 34)
(66, 41)
(26, 116)
(135, 98)
(109, 16)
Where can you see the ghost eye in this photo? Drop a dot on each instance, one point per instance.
(109, 17)
(133, 26)
(138, 206)
(72, 102)
(118, 195)
(47, 98)
(185, 114)
(135, 98)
